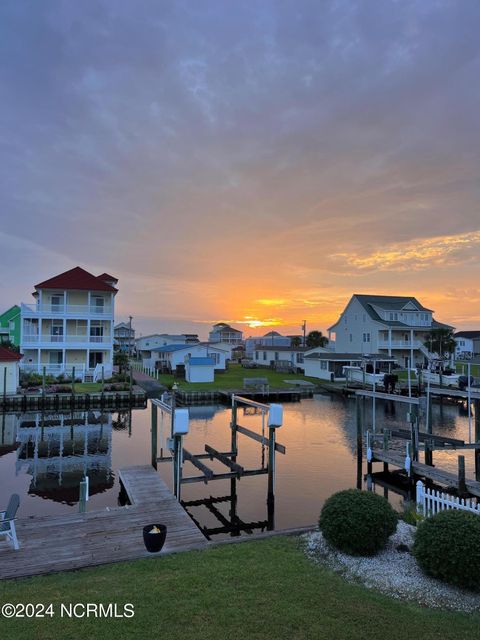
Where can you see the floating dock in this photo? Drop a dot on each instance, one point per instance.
(50, 544)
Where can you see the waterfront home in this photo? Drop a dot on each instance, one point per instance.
(391, 325)
(145, 344)
(199, 369)
(69, 325)
(467, 344)
(266, 356)
(124, 337)
(10, 325)
(271, 339)
(9, 370)
(171, 357)
(222, 332)
(326, 365)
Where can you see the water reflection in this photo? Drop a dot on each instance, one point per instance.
(44, 457)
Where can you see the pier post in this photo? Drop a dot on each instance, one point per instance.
(154, 434)
(358, 411)
(462, 487)
(43, 385)
(5, 388)
(477, 438)
(271, 463)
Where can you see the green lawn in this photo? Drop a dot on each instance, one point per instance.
(88, 387)
(462, 368)
(233, 379)
(256, 590)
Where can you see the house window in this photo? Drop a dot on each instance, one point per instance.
(276, 355)
(351, 338)
(323, 364)
(264, 355)
(299, 357)
(56, 332)
(366, 337)
(256, 355)
(57, 303)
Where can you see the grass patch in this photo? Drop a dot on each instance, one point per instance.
(462, 369)
(233, 379)
(256, 590)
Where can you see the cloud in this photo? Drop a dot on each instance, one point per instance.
(419, 254)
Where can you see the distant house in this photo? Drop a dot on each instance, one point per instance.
(124, 337)
(9, 370)
(222, 332)
(70, 324)
(145, 344)
(199, 369)
(267, 356)
(172, 356)
(272, 339)
(467, 344)
(10, 325)
(393, 325)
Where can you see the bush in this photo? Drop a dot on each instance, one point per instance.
(447, 546)
(357, 522)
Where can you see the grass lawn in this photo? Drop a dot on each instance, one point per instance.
(233, 379)
(403, 375)
(255, 590)
(88, 387)
(462, 368)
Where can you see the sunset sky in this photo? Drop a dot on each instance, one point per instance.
(248, 161)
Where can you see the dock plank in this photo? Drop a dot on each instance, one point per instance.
(50, 544)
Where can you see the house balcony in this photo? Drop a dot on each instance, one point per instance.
(67, 311)
(69, 341)
(400, 344)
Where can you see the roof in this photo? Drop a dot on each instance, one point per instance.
(392, 303)
(7, 355)
(106, 277)
(348, 357)
(76, 278)
(223, 326)
(467, 334)
(170, 348)
(269, 347)
(201, 361)
(272, 333)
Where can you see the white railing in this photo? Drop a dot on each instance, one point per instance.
(49, 339)
(400, 344)
(66, 309)
(102, 369)
(430, 501)
(55, 369)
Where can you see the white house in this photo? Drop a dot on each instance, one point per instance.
(145, 344)
(171, 356)
(9, 370)
(199, 369)
(394, 325)
(266, 356)
(270, 339)
(124, 337)
(325, 365)
(70, 325)
(222, 332)
(467, 344)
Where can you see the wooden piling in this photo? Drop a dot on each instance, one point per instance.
(358, 411)
(462, 487)
(476, 404)
(154, 435)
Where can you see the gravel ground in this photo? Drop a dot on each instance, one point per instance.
(393, 572)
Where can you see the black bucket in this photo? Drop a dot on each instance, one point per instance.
(154, 541)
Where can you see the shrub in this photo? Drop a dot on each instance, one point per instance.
(447, 546)
(357, 522)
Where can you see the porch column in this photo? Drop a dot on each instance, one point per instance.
(65, 301)
(38, 360)
(89, 300)
(411, 347)
(390, 341)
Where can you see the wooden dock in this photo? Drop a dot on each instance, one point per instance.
(50, 544)
(432, 473)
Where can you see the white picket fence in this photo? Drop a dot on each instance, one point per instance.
(430, 501)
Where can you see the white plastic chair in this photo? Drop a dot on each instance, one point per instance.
(7, 520)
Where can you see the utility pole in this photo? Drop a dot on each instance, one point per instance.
(304, 328)
(130, 337)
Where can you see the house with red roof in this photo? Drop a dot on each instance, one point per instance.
(9, 370)
(69, 326)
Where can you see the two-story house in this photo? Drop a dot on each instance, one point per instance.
(70, 324)
(222, 332)
(124, 337)
(394, 325)
(467, 344)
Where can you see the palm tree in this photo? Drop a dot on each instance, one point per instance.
(316, 339)
(441, 341)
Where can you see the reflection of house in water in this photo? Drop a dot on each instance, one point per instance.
(57, 450)
(8, 425)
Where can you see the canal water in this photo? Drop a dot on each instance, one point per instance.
(43, 458)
